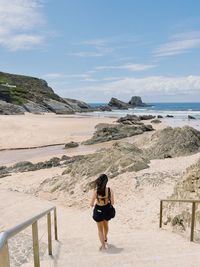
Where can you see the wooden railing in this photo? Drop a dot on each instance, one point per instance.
(5, 236)
(193, 202)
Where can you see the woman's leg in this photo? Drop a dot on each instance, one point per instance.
(105, 229)
(101, 235)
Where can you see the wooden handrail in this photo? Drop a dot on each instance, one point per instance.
(193, 201)
(6, 235)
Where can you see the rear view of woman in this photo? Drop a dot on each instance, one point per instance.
(103, 199)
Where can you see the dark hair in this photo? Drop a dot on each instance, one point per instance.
(101, 183)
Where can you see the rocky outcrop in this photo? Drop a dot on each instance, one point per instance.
(71, 145)
(58, 107)
(107, 132)
(156, 121)
(133, 119)
(173, 142)
(169, 116)
(118, 104)
(191, 117)
(34, 95)
(112, 161)
(10, 109)
(187, 187)
(80, 174)
(26, 166)
(35, 108)
(78, 106)
(105, 108)
(135, 101)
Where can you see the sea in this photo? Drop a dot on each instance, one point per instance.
(179, 111)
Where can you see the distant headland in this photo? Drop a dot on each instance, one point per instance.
(20, 94)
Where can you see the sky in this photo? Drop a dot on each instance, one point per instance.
(93, 50)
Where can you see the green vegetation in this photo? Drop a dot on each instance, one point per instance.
(21, 89)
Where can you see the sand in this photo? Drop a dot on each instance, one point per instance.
(19, 131)
(134, 239)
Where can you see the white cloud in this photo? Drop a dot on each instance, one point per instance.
(94, 48)
(19, 24)
(87, 54)
(151, 86)
(96, 42)
(60, 76)
(129, 67)
(180, 43)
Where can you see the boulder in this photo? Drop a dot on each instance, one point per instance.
(146, 117)
(191, 117)
(71, 145)
(118, 104)
(169, 116)
(105, 108)
(58, 107)
(186, 188)
(10, 109)
(129, 119)
(134, 119)
(173, 142)
(78, 106)
(159, 116)
(35, 108)
(156, 121)
(107, 132)
(137, 102)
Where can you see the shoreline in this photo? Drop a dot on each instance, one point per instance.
(68, 128)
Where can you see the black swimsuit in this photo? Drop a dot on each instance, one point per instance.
(105, 212)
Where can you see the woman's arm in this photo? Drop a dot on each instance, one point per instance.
(112, 197)
(93, 198)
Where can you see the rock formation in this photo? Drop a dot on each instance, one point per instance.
(113, 161)
(156, 121)
(191, 117)
(188, 187)
(10, 109)
(26, 166)
(135, 101)
(71, 144)
(133, 119)
(107, 132)
(33, 95)
(118, 104)
(173, 142)
(78, 106)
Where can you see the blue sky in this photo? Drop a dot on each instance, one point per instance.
(95, 49)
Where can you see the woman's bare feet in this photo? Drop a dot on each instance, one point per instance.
(103, 248)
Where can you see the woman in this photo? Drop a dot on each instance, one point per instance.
(103, 198)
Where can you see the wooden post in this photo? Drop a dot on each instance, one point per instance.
(4, 256)
(36, 254)
(192, 222)
(161, 213)
(55, 225)
(49, 233)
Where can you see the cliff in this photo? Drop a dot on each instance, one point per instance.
(19, 94)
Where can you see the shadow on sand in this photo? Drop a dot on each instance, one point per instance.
(112, 249)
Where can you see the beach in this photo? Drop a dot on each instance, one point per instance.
(137, 196)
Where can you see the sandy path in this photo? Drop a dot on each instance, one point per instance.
(78, 243)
